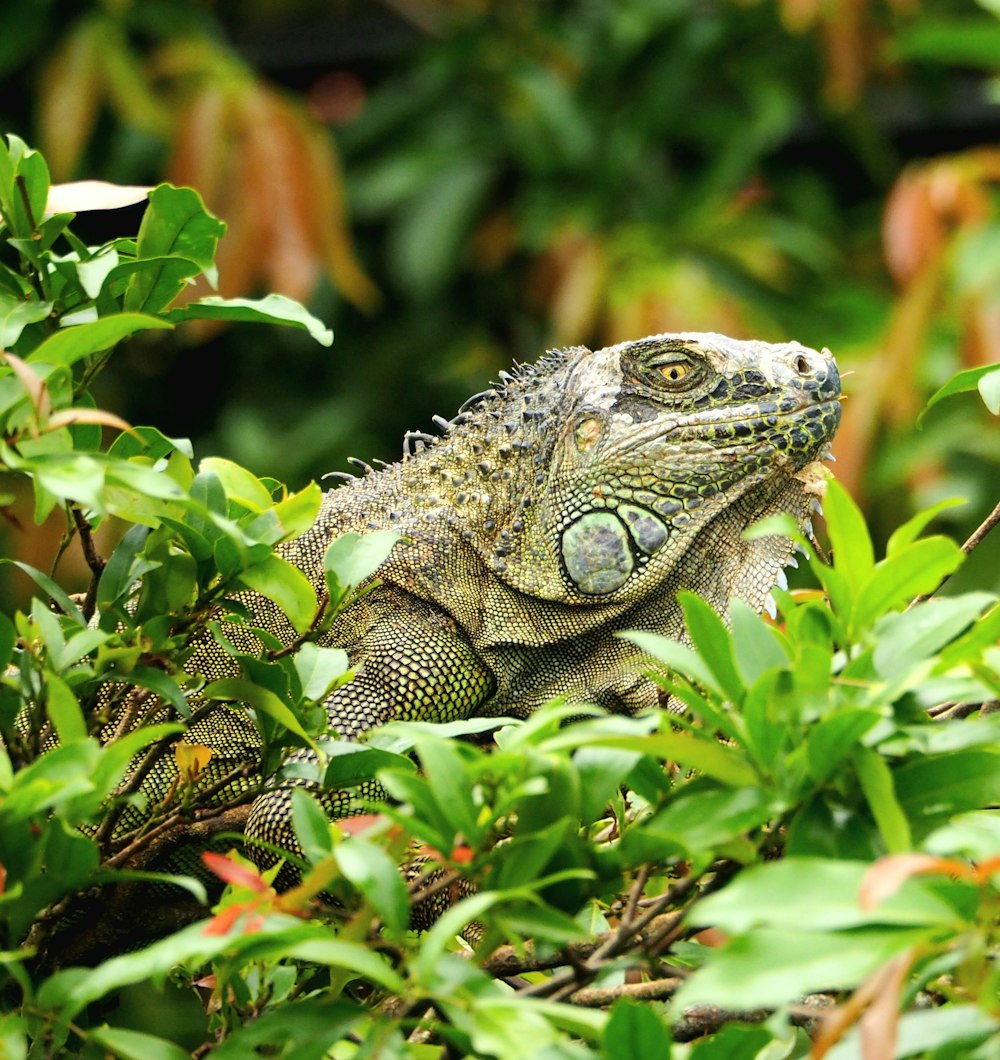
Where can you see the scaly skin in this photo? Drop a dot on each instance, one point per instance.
(573, 501)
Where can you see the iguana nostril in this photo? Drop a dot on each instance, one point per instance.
(802, 365)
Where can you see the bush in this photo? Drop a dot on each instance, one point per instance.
(609, 888)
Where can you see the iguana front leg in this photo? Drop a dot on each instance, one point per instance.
(412, 662)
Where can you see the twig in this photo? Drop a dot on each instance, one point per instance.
(293, 646)
(615, 943)
(635, 893)
(95, 562)
(153, 755)
(506, 961)
(180, 824)
(654, 990)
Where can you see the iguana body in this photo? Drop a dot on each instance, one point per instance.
(571, 502)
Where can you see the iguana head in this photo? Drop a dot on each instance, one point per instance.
(619, 465)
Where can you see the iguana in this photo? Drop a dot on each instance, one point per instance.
(571, 501)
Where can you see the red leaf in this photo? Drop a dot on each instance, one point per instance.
(359, 823)
(231, 872)
(884, 878)
(221, 923)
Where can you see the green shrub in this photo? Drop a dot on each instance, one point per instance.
(848, 737)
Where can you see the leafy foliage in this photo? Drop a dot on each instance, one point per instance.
(583, 864)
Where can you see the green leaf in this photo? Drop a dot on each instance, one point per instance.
(713, 642)
(349, 956)
(351, 558)
(989, 389)
(913, 527)
(175, 225)
(69, 345)
(119, 753)
(446, 927)
(63, 710)
(880, 794)
(968, 41)
(8, 639)
(298, 511)
(970, 379)
(853, 555)
(377, 877)
(675, 656)
(695, 752)
(602, 771)
(16, 314)
(834, 737)
(319, 669)
(443, 767)
(350, 764)
(758, 646)
(304, 1030)
(312, 826)
(908, 638)
(71, 989)
(13, 1034)
(816, 894)
(932, 789)
(235, 689)
(287, 586)
(274, 309)
(915, 569)
(156, 681)
(55, 592)
(702, 821)
(135, 1045)
(635, 1029)
(774, 966)
(240, 485)
(954, 1028)
(93, 271)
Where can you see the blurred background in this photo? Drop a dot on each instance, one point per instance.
(456, 184)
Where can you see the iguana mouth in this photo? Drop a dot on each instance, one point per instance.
(748, 427)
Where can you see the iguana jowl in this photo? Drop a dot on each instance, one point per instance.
(572, 501)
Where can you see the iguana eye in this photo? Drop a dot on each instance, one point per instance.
(674, 373)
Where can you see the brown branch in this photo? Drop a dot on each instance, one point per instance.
(706, 1019)
(95, 562)
(506, 961)
(626, 936)
(150, 844)
(654, 990)
(153, 755)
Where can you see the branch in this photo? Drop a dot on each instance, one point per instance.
(506, 961)
(141, 848)
(654, 990)
(627, 936)
(706, 1019)
(95, 562)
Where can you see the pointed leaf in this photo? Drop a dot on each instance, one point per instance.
(274, 309)
(68, 345)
